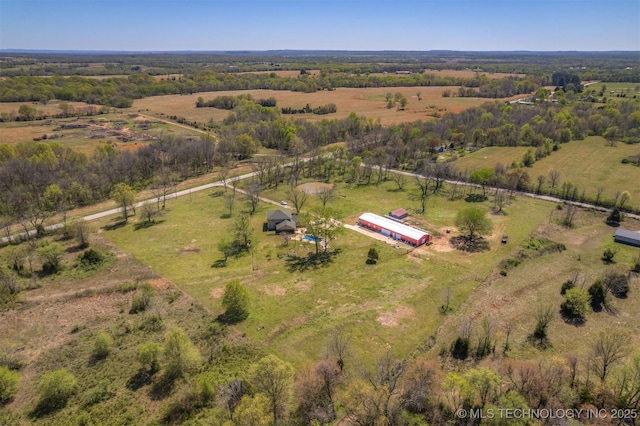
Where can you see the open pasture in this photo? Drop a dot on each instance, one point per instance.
(589, 164)
(392, 305)
(368, 102)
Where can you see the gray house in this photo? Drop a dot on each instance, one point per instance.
(281, 221)
(627, 237)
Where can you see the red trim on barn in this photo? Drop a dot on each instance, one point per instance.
(394, 234)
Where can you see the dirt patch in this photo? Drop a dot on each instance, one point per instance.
(392, 318)
(303, 286)
(274, 290)
(190, 250)
(217, 293)
(159, 283)
(314, 187)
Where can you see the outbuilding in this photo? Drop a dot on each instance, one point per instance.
(627, 237)
(395, 230)
(399, 214)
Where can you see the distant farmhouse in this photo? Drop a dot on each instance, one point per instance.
(393, 229)
(627, 237)
(281, 221)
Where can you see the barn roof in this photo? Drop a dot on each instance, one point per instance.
(625, 233)
(399, 213)
(394, 226)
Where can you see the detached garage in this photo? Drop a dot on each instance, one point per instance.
(627, 237)
(392, 229)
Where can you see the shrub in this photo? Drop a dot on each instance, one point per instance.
(598, 295)
(55, 388)
(235, 301)
(635, 264)
(102, 345)
(141, 300)
(615, 217)
(576, 304)
(188, 400)
(566, 286)
(101, 392)
(608, 254)
(91, 258)
(180, 354)
(9, 383)
(460, 348)
(373, 256)
(617, 283)
(148, 354)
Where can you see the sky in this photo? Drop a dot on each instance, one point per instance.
(214, 25)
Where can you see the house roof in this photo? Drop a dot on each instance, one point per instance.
(399, 212)
(286, 225)
(625, 233)
(394, 226)
(278, 215)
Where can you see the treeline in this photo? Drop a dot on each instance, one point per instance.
(40, 179)
(28, 112)
(606, 66)
(321, 110)
(230, 102)
(121, 91)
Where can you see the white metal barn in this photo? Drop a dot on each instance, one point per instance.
(392, 229)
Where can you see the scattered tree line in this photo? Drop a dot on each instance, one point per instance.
(321, 110)
(230, 102)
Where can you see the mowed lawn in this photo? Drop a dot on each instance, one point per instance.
(391, 306)
(588, 163)
(367, 102)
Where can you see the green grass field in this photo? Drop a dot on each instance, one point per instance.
(389, 306)
(589, 164)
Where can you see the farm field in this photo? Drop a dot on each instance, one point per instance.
(464, 74)
(392, 306)
(613, 89)
(588, 163)
(84, 134)
(367, 102)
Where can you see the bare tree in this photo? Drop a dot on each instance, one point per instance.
(599, 192)
(325, 195)
(541, 179)
(499, 200)
(298, 199)
(164, 183)
(253, 191)
(569, 216)
(230, 201)
(339, 345)
(423, 183)
(231, 395)
(610, 347)
(554, 177)
(400, 179)
(544, 315)
(224, 174)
